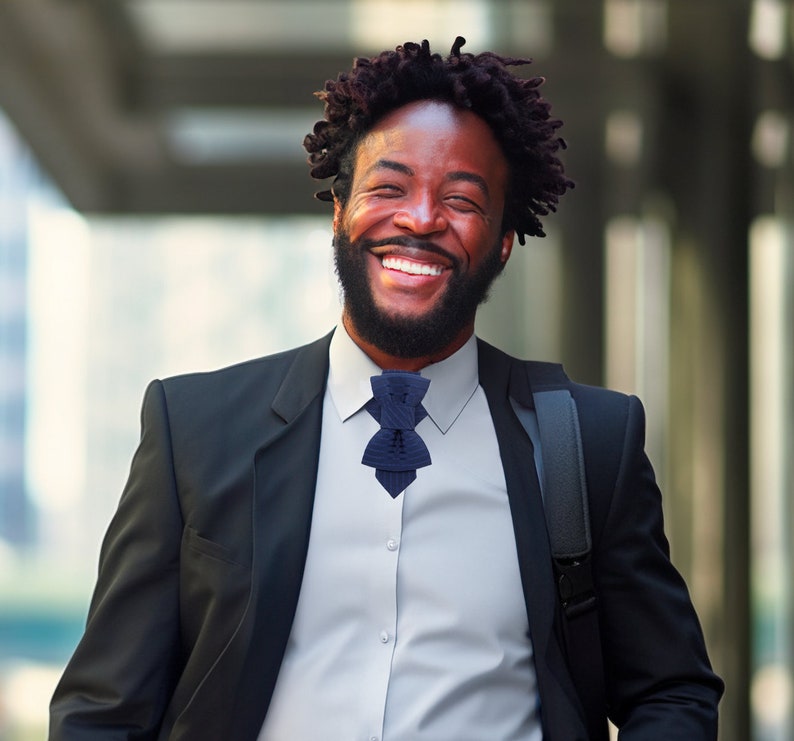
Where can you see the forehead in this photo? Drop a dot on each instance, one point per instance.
(433, 137)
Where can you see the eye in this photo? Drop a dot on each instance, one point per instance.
(462, 202)
(385, 189)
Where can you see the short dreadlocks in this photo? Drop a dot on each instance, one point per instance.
(511, 106)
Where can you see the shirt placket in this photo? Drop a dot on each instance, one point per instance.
(383, 607)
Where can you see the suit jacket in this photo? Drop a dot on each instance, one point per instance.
(201, 566)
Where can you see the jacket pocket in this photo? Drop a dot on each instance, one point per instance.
(195, 542)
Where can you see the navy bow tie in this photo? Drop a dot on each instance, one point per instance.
(396, 450)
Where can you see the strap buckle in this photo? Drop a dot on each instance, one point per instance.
(575, 585)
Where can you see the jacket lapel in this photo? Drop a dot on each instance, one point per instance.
(285, 473)
(504, 379)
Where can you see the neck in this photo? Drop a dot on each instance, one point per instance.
(386, 361)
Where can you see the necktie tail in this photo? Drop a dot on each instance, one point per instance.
(395, 481)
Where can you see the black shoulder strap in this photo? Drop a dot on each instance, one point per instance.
(555, 423)
(565, 498)
(566, 504)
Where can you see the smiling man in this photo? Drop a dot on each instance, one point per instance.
(347, 540)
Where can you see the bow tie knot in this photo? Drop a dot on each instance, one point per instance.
(397, 450)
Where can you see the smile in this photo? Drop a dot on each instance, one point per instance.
(392, 262)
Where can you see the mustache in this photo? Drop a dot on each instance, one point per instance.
(403, 240)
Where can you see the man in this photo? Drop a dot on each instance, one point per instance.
(272, 574)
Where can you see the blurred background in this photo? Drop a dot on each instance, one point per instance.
(156, 216)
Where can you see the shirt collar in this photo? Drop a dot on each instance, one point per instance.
(453, 380)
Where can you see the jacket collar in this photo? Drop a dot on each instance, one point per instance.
(304, 380)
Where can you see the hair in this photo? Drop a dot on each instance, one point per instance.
(511, 106)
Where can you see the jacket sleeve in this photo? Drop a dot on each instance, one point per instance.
(122, 673)
(659, 682)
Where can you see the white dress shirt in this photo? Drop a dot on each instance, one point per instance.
(411, 623)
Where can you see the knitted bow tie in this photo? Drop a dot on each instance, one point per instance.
(396, 450)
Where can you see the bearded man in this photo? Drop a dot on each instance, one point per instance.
(347, 540)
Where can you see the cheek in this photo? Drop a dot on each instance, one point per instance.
(360, 217)
(478, 241)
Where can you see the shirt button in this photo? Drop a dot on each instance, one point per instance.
(392, 544)
(374, 738)
(384, 637)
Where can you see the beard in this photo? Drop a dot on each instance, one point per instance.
(411, 336)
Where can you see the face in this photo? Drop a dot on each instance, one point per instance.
(419, 240)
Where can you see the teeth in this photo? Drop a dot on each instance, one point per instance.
(410, 267)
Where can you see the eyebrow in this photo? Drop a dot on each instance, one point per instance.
(469, 177)
(384, 164)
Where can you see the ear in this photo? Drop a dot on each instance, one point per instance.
(507, 245)
(337, 213)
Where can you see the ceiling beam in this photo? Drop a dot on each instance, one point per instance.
(274, 189)
(251, 80)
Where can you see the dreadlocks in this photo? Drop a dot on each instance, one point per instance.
(511, 106)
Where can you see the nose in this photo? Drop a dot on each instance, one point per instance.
(421, 216)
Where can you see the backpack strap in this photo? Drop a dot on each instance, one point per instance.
(561, 468)
(559, 460)
(565, 499)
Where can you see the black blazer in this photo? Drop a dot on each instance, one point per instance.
(201, 566)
